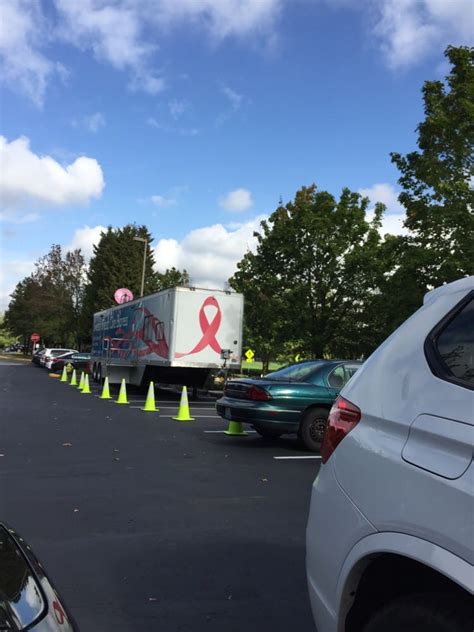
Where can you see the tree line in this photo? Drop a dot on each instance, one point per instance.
(322, 281)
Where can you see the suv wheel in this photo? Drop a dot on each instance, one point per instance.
(313, 427)
(430, 613)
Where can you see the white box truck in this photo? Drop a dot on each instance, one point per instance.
(176, 336)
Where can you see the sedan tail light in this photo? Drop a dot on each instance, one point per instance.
(343, 417)
(259, 394)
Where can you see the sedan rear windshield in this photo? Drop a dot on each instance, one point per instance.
(295, 372)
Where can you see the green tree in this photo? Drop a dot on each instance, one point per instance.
(171, 278)
(437, 180)
(263, 321)
(49, 300)
(316, 270)
(6, 337)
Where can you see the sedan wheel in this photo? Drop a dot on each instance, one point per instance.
(313, 427)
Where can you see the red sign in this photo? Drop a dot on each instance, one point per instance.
(35, 337)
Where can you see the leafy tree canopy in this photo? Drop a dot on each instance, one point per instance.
(316, 268)
(438, 179)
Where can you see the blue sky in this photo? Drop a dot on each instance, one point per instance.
(195, 116)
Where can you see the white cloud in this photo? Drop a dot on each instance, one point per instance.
(13, 217)
(222, 18)
(94, 122)
(385, 193)
(163, 202)
(237, 201)
(235, 101)
(234, 97)
(91, 123)
(177, 108)
(408, 31)
(29, 179)
(209, 254)
(392, 224)
(122, 33)
(11, 272)
(113, 31)
(152, 122)
(86, 238)
(392, 221)
(172, 129)
(23, 67)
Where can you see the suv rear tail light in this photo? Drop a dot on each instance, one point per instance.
(343, 417)
(259, 394)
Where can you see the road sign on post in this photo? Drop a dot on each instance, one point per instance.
(250, 355)
(35, 337)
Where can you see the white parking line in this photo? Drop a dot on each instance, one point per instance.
(288, 458)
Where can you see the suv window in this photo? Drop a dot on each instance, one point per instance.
(449, 347)
(455, 346)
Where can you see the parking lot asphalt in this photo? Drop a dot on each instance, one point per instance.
(145, 523)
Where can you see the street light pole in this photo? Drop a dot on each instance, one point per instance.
(145, 244)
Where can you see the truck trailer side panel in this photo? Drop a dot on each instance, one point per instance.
(176, 330)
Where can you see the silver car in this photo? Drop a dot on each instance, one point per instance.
(389, 542)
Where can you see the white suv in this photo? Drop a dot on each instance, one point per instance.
(390, 535)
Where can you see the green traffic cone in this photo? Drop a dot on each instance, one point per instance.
(105, 390)
(150, 406)
(73, 381)
(64, 375)
(86, 388)
(122, 398)
(183, 411)
(81, 382)
(235, 429)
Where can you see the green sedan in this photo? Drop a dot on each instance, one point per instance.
(295, 399)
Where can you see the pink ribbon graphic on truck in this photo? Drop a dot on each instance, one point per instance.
(209, 329)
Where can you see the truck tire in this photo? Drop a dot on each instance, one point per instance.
(312, 428)
(427, 612)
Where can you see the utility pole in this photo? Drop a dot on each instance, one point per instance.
(145, 244)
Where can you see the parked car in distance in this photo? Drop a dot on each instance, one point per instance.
(78, 361)
(28, 599)
(16, 347)
(37, 355)
(389, 540)
(53, 353)
(294, 399)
